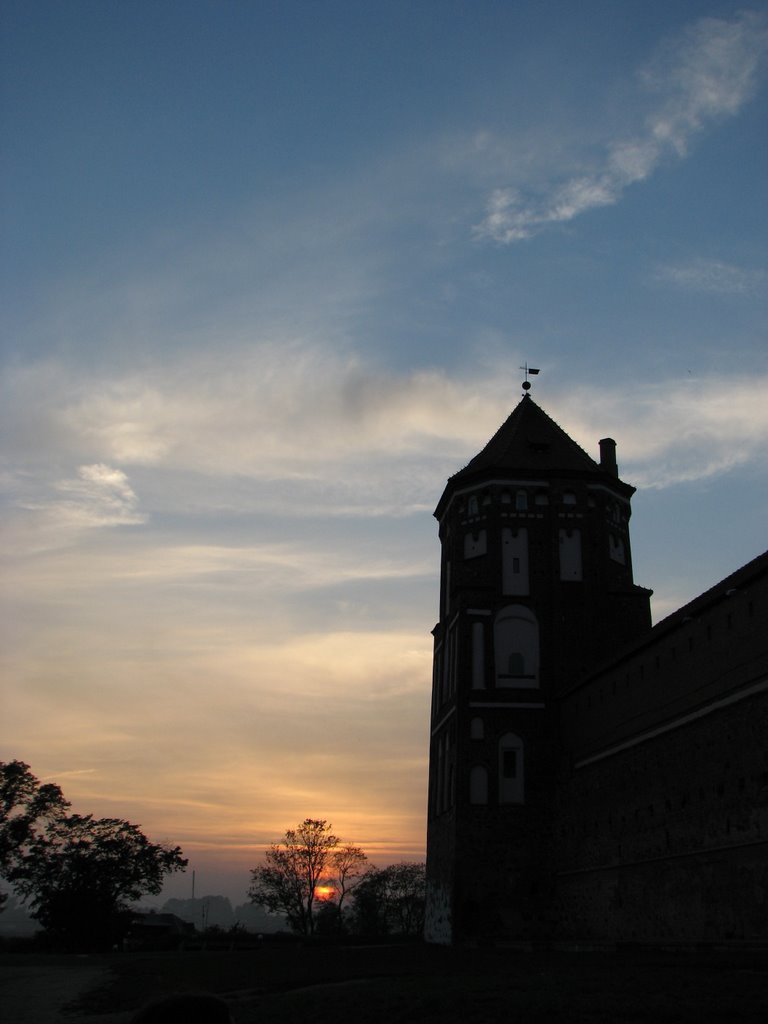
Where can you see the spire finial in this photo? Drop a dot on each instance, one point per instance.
(529, 371)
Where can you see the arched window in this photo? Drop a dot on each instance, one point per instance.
(478, 785)
(521, 501)
(616, 549)
(472, 507)
(511, 770)
(476, 729)
(516, 647)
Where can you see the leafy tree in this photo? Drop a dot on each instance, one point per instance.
(391, 900)
(81, 875)
(77, 873)
(294, 868)
(27, 807)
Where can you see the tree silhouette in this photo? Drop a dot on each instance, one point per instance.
(391, 900)
(348, 867)
(78, 873)
(294, 868)
(27, 807)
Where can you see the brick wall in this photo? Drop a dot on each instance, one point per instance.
(661, 820)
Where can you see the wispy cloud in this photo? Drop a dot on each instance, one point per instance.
(98, 496)
(698, 79)
(301, 422)
(702, 275)
(301, 431)
(677, 431)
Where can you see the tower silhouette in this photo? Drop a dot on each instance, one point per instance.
(536, 587)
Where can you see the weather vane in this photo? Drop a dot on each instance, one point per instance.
(529, 371)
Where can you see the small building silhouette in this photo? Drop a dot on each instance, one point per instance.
(156, 930)
(591, 777)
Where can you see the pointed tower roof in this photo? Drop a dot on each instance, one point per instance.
(530, 442)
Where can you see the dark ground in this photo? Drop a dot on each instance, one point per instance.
(411, 983)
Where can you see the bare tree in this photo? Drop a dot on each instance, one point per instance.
(348, 867)
(287, 883)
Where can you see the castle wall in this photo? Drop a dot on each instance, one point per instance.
(668, 839)
(714, 647)
(661, 820)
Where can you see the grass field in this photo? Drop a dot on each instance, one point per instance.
(367, 985)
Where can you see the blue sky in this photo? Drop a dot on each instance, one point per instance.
(269, 274)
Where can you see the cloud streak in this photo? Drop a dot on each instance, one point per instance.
(697, 80)
(713, 276)
(100, 495)
(679, 431)
(310, 433)
(322, 724)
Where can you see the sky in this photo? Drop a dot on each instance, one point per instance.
(269, 274)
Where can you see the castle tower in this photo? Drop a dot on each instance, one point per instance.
(536, 585)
